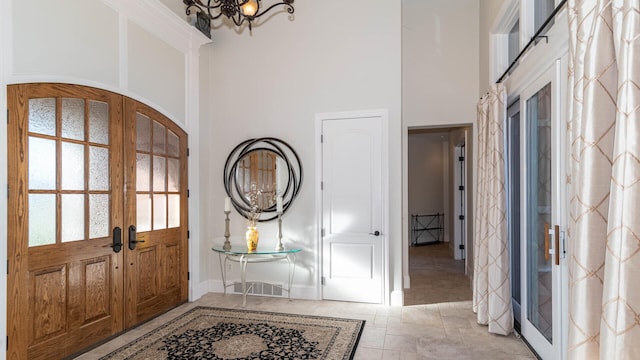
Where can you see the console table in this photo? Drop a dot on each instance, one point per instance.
(242, 256)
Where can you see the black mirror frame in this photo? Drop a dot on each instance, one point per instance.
(280, 148)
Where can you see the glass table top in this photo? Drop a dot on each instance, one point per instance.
(242, 250)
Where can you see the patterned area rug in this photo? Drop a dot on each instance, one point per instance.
(214, 333)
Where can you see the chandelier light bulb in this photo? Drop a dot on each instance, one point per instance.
(250, 8)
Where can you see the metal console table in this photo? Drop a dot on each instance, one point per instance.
(429, 226)
(242, 256)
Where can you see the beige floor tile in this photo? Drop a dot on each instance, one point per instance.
(437, 323)
(364, 353)
(404, 343)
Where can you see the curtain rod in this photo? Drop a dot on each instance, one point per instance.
(532, 41)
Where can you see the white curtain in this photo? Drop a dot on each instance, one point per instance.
(604, 179)
(491, 287)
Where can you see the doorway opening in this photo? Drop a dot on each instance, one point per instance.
(439, 200)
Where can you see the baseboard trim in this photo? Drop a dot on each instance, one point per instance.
(397, 298)
(215, 286)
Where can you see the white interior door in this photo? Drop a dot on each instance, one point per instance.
(542, 250)
(353, 237)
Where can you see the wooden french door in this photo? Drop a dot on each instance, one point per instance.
(75, 275)
(155, 213)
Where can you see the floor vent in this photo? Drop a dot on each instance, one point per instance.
(258, 288)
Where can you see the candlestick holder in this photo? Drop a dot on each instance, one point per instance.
(227, 244)
(279, 246)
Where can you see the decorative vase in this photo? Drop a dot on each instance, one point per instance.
(252, 236)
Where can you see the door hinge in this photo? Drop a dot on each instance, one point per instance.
(7, 191)
(461, 247)
(188, 275)
(7, 116)
(187, 151)
(461, 188)
(461, 217)
(322, 232)
(321, 185)
(7, 342)
(188, 193)
(461, 158)
(188, 234)
(321, 136)
(7, 266)
(322, 281)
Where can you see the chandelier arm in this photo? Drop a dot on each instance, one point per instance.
(238, 19)
(287, 5)
(232, 9)
(202, 7)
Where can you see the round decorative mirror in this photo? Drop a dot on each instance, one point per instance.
(262, 176)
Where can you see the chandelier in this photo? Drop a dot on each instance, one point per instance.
(237, 10)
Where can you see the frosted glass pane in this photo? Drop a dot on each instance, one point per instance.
(143, 133)
(159, 212)
(72, 217)
(143, 172)
(173, 144)
(98, 216)
(174, 175)
(42, 116)
(158, 138)
(159, 173)
(42, 219)
(42, 164)
(72, 166)
(98, 168)
(174, 211)
(98, 122)
(143, 212)
(73, 118)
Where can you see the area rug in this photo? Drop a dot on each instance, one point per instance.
(214, 333)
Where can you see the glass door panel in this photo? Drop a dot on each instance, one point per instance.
(539, 271)
(514, 166)
(157, 175)
(541, 199)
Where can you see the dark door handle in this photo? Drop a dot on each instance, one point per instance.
(132, 238)
(117, 239)
(375, 233)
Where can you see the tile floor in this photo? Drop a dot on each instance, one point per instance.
(434, 329)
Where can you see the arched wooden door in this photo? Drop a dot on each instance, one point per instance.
(75, 275)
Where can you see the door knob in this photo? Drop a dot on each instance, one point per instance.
(375, 233)
(117, 239)
(132, 238)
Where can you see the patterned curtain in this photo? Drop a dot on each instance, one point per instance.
(604, 179)
(491, 288)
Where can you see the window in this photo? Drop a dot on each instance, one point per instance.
(542, 10)
(514, 42)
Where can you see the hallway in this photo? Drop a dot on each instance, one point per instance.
(435, 276)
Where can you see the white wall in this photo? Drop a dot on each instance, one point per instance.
(335, 56)
(440, 62)
(426, 176)
(489, 11)
(139, 49)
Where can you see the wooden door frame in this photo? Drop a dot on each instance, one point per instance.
(383, 114)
